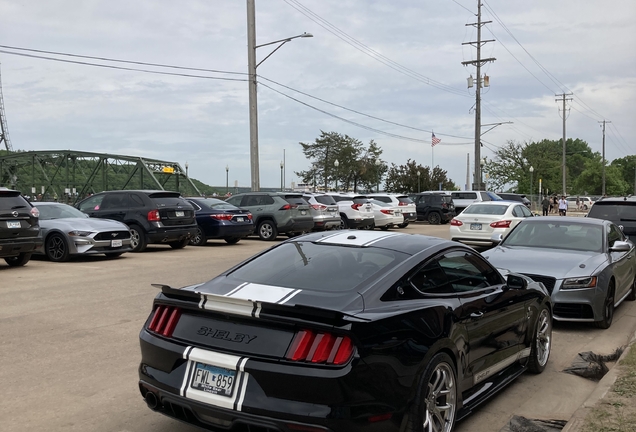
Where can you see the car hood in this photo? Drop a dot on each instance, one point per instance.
(548, 262)
(83, 224)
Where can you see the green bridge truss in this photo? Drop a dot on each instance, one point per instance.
(69, 176)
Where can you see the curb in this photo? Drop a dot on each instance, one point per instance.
(577, 421)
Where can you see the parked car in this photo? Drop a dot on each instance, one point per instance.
(346, 331)
(19, 228)
(478, 222)
(515, 197)
(217, 219)
(324, 210)
(584, 203)
(463, 199)
(276, 213)
(68, 232)
(385, 215)
(434, 207)
(587, 265)
(621, 211)
(409, 211)
(355, 210)
(153, 216)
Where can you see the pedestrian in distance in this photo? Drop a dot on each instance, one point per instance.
(563, 205)
(555, 204)
(545, 204)
(578, 203)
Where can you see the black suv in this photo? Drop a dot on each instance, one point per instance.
(434, 207)
(514, 197)
(621, 211)
(19, 228)
(153, 216)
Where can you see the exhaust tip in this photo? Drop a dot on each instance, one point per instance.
(151, 400)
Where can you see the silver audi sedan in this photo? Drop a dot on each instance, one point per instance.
(587, 265)
(67, 231)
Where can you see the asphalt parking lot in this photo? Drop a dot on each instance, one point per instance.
(70, 350)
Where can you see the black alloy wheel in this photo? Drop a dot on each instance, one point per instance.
(138, 240)
(56, 248)
(180, 244)
(199, 238)
(434, 218)
(18, 261)
(232, 240)
(436, 405)
(608, 309)
(541, 342)
(344, 222)
(267, 230)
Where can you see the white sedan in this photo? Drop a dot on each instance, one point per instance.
(386, 215)
(478, 222)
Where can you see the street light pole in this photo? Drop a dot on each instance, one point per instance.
(336, 164)
(378, 162)
(187, 178)
(282, 165)
(253, 103)
(531, 186)
(419, 187)
(227, 177)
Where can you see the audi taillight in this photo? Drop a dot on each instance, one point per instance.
(455, 222)
(319, 207)
(356, 206)
(501, 224)
(164, 320)
(385, 211)
(324, 348)
(153, 216)
(222, 216)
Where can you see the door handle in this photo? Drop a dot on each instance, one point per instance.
(476, 314)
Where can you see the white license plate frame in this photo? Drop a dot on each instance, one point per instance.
(205, 377)
(475, 226)
(116, 243)
(14, 224)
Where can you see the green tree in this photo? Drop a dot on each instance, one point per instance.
(627, 168)
(404, 178)
(589, 182)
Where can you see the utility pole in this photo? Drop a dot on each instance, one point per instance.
(251, 60)
(467, 170)
(564, 99)
(603, 181)
(479, 62)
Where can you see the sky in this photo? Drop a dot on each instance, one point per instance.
(397, 62)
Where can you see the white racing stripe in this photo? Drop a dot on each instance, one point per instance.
(235, 363)
(246, 299)
(359, 238)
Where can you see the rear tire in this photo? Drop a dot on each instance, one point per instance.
(608, 309)
(435, 405)
(138, 240)
(56, 248)
(632, 293)
(267, 230)
(403, 225)
(541, 342)
(232, 240)
(199, 239)
(434, 218)
(179, 244)
(384, 228)
(344, 222)
(18, 261)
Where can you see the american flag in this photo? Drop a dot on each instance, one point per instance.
(434, 140)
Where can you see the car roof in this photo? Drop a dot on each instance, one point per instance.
(498, 202)
(615, 200)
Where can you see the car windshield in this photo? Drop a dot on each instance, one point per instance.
(614, 211)
(482, 209)
(318, 267)
(59, 211)
(557, 235)
(216, 204)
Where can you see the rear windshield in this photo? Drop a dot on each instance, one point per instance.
(445, 198)
(325, 199)
(614, 211)
(481, 209)
(169, 201)
(12, 200)
(318, 267)
(296, 200)
(361, 200)
(216, 204)
(407, 200)
(493, 196)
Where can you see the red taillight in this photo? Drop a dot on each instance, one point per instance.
(356, 206)
(35, 212)
(324, 348)
(455, 222)
(389, 212)
(501, 224)
(249, 216)
(153, 216)
(222, 216)
(319, 207)
(288, 207)
(164, 320)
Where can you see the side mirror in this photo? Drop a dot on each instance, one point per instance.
(496, 238)
(620, 246)
(514, 281)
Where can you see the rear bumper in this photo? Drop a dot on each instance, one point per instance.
(229, 230)
(165, 235)
(10, 248)
(295, 225)
(360, 223)
(410, 216)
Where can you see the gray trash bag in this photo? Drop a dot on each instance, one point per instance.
(591, 365)
(522, 424)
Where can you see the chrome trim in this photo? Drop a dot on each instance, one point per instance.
(501, 365)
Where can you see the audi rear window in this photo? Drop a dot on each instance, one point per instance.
(318, 267)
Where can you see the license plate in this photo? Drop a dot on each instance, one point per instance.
(240, 219)
(179, 213)
(115, 243)
(303, 212)
(212, 379)
(475, 226)
(13, 224)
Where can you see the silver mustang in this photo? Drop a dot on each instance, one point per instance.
(587, 265)
(67, 231)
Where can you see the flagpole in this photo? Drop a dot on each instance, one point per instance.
(432, 158)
